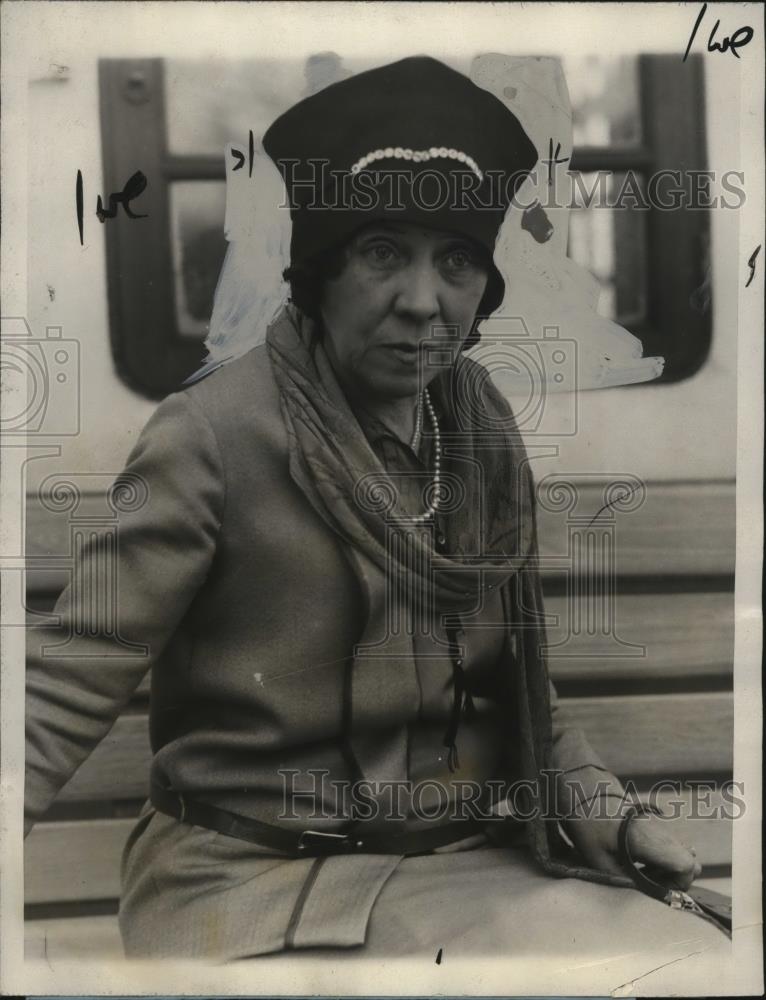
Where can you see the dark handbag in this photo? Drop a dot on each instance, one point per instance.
(712, 906)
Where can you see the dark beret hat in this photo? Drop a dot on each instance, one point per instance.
(413, 141)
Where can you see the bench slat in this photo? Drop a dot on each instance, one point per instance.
(683, 635)
(74, 861)
(677, 735)
(681, 529)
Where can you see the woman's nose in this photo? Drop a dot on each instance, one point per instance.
(418, 295)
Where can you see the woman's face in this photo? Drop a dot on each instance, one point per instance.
(402, 289)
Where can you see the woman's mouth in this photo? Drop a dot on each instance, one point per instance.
(405, 353)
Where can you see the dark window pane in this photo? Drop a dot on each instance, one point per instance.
(612, 244)
(214, 101)
(196, 224)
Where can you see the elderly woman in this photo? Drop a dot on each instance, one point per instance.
(335, 581)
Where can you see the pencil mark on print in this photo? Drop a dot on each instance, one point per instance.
(617, 497)
(584, 548)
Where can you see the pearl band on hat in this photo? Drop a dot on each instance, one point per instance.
(417, 156)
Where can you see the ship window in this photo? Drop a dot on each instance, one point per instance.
(172, 118)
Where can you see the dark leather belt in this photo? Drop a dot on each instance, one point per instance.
(309, 843)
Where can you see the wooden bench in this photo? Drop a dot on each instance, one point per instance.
(655, 702)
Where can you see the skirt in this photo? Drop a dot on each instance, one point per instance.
(189, 892)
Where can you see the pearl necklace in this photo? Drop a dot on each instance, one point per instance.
(436, 486)
(415, 442)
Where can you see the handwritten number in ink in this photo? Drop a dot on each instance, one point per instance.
(697, 23)
(239, 156)
(553, 159)
(751, 264)
(730, 42)
(134, 186)
(79, 204)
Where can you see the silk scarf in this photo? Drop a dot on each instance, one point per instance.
(490, 527)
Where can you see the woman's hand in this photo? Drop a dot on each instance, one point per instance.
(649, 840)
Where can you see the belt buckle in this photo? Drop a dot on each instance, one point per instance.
(320, 842)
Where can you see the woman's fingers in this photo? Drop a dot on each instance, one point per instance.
(653, 843)
(650, 841)
(606, 862)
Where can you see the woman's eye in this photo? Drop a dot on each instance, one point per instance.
(459, 260)
(381, 253)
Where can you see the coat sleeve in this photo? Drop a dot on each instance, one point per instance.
(583, 775)
(96, 657)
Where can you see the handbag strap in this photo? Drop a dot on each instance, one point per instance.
(712, 906)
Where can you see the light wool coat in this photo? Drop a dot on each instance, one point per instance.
(241, 601)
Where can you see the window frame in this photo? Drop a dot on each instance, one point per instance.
(678, 241)
(150, 353)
